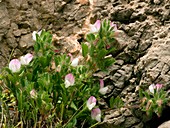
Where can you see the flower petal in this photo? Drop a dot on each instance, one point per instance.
(158, 86)
(34, 34)
(151, 88)
(94, 28)
(114, 26)
(69, 80)
(101, 83)
(25, 60)
(97, 24)
(14, 65)
(103, 90)
(96, 114)
(33, 93)
(91, 102)
(75, 62)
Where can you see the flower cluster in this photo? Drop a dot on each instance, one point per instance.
(59, 87)
(15, 64)
(96, 112)
(155, 100)
(94, 28)
(100, 39)
(153, 88)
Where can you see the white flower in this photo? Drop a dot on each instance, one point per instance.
(94, 28)
(152, 88)
(69, 80)
(91, 102)
(75, 62)
(96, 114)
(34, 34)
(33, 93)
(25, 60)
(14, 65)
(102, 90)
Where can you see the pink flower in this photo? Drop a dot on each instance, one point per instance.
(102, 90)
(96, 114)
(69, 80)
(158, 86)
(91, 102)
(152, 87)
(14, 65)
(101, 83)
(114, 26)
(25, 60)
(74, 61)
(94, 28)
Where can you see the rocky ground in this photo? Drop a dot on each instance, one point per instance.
(143, 42)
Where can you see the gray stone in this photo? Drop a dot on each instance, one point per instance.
(4, 20)
(26, 41)
(17, 33)
(114, 120)
(140, 125)
(130, 121)
(165, 125)
(122, 15)
(157, 1)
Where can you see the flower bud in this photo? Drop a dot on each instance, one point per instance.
(33, 93)
(58, 69)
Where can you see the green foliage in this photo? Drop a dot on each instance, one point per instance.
(153, 102)
(100, 47)
(37, 94)
(116, 102)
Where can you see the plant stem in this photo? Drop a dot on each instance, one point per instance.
(75, 115)
(94, 124)
(62, 111)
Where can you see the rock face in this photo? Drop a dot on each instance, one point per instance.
(143, 42)
(19, 18)
(165, 125)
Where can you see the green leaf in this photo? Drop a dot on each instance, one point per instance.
(90, 37)
(92, 48)
(140, 93)
(72, 123)
(84, 50)
(111, 102)
(146, 95)
(102, 53)
(73, 106)
(36, 47)
(109, 61)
